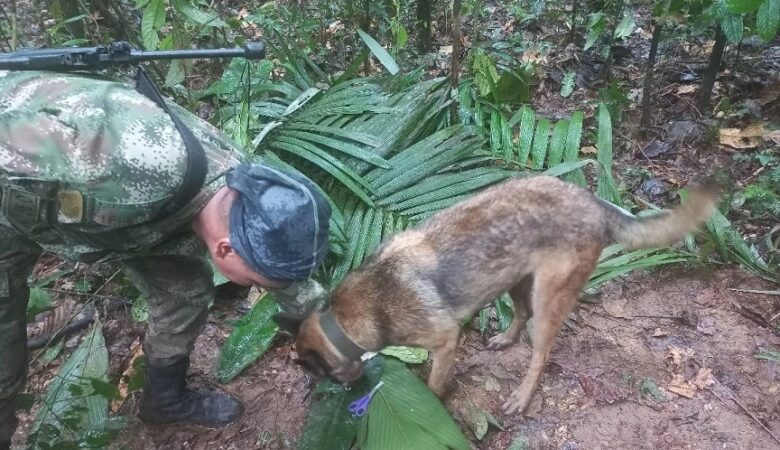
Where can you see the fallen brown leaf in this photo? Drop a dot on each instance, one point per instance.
(686, 89)
(138, 351)
(740, 139)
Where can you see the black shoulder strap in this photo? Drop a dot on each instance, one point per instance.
(197, 165)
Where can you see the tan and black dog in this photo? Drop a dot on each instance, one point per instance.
(537, 238)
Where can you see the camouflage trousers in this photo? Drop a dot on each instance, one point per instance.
(178, 289)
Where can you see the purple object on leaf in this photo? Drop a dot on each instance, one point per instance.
(359, 407)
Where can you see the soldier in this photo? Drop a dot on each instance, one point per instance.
(89, 169)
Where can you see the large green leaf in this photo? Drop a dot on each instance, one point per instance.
(626, 26)
(558, 143)
(768, 19)
(250, 338)
(606, 187)
(197, 15)
(405, 414)
(732, 27)
(151, 22)
(539, 148)
(379, 52)
(329, 424)
(614, 265)
(71, 404)
(40, 301)
(743, 6)
(527, 117)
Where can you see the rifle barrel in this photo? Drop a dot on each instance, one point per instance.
(252, 50)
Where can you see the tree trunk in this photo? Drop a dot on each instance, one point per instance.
(648, 83)
(457, 49)
(424, 25)
(708, 81)
(475, 23)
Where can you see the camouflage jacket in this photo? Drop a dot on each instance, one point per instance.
(115, 149)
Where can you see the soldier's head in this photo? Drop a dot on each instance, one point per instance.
(267, 227)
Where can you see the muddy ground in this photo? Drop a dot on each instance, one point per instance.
(664, 360)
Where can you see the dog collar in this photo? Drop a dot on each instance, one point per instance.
(338, 338)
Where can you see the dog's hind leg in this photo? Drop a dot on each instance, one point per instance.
(521, 298)
(443, 359)
(555, 292)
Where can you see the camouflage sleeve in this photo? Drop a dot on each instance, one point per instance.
(302, 297)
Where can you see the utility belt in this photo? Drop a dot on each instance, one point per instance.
(43, 209)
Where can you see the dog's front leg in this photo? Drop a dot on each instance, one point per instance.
(443, 361)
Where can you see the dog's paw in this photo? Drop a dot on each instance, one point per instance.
(499, 342)
(514, 404)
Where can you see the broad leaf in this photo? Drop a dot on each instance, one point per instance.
(732, 27)
(40, 301)
(197, 15)
(768, 19)
(606, 187)
(743, 6)
(596, 25)
(626, 26)
(527, 118)
(151, 22)
(379, 52)
(404, 413)
(567, 85)
(329, 424)
(249, 339)
(408, 355)
(70, 404)
(539, 149)
(140, 310)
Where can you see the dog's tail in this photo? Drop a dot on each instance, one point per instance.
(666, 228)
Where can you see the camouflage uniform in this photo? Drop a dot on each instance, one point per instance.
(110, 159)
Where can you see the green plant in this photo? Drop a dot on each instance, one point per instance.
(404, 413)
(613, 96)
(769, 355)
(74, 411)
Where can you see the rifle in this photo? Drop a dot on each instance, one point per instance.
(103, 56)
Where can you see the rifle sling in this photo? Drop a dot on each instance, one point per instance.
(197, 164)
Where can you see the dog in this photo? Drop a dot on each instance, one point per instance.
(537, 238)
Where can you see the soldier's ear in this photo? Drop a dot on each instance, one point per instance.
(289, 323)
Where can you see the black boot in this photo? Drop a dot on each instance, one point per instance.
(166, 399)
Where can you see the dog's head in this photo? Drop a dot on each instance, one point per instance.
(315, 351)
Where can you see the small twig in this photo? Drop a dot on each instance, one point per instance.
(754, 316)
(745, 409)
(73, 315)
(678, 318)
(756, 291)
(84, 294)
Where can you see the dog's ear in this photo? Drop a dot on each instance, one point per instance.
(289, 322)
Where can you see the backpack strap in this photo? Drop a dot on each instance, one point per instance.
(197, 164)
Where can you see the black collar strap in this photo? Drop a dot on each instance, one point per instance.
(338, 338)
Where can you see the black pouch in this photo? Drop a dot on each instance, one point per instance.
(29, 204)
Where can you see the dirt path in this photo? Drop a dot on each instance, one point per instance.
(610, 383)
